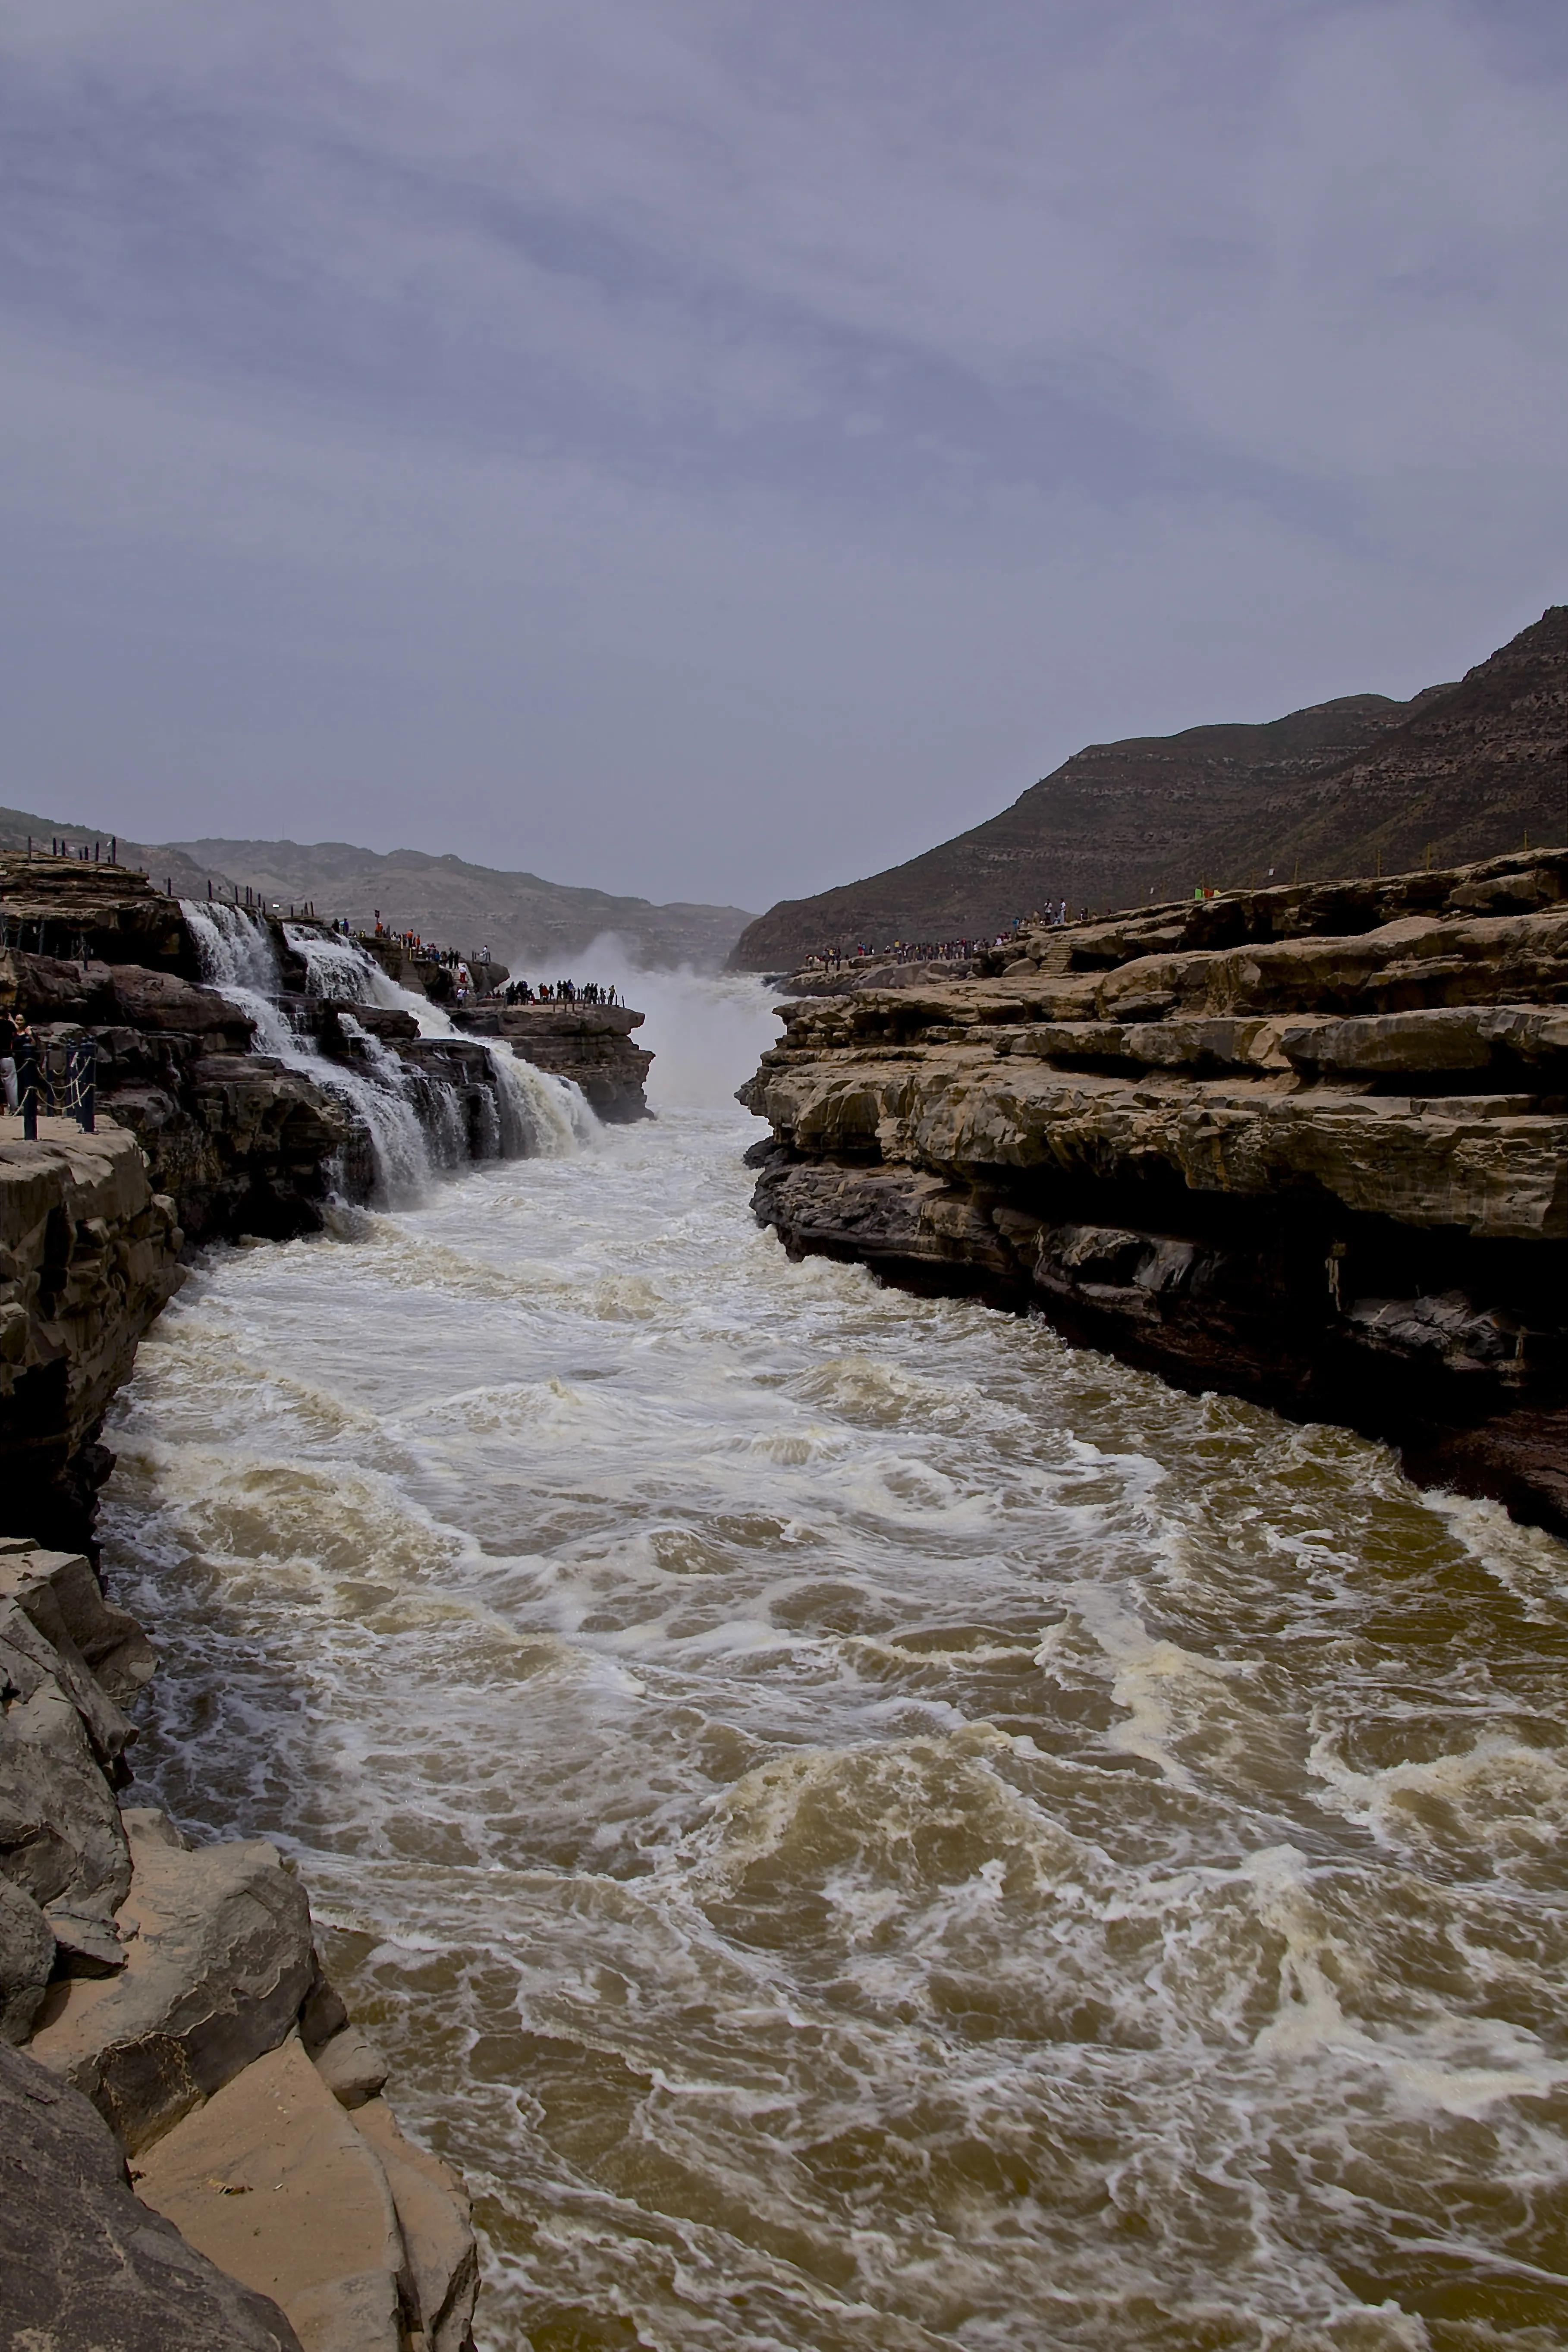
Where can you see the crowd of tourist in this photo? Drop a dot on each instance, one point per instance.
(558, 992)
(836, 958)
(424, 950)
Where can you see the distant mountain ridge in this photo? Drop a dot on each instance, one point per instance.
(525, 919)
(1467, 767)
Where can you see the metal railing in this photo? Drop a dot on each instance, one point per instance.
(59, 1077)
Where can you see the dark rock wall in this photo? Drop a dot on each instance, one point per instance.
(88, 1256)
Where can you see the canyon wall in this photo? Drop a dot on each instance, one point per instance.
(173, 2033)
(1305, 1144)
(88, 1256)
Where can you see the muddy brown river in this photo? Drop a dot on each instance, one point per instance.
(862, 1828)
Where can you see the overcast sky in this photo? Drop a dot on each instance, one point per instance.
(714, 450)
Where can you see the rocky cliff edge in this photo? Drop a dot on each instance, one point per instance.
(177, 2037)
(1305, 1144)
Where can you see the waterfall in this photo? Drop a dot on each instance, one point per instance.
(542, 1117)
(416, 1124)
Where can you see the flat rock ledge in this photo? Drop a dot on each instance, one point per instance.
(195, 2153)
(1305, 1144)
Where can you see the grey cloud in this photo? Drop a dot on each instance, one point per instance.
(531, 416)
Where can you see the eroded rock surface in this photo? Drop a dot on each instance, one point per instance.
(1309, 1145)
(85, 2266)
(177, 1990)
(88, 1256)
(218, 1962)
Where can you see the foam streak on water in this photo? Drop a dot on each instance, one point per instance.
(862, 1827)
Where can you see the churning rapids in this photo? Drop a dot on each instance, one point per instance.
(861, 1827)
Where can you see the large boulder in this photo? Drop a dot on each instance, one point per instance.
(27, 1961)
(59, 1591)
(160, 1000)
(271, 2180)
(217, 1963)
(62, 1838)
(85, 2265)
(438, 2239)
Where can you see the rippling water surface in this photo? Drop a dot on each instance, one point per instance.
(859, 1826)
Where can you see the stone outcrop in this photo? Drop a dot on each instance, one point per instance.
(89, 1255)
(215, 1964)
(589, 1044)
(424, 971)
(241, 1143)
(67, 909)
(170, 2008)
(83, 2261)
(877, 972)
(1309, 1145)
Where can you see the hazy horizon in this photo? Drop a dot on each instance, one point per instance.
(712, 453)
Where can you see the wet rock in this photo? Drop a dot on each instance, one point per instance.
(161, 1001)
(589, 1044)
(84, 2264)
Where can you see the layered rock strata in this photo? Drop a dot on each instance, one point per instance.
(243, 1143)
(89, 1255)
(1303, 1145)
(877, 972)
(76, 909)
(171, 2010)
(589, 1044)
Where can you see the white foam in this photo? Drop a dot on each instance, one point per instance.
(861, 1828)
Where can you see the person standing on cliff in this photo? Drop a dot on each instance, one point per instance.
(13, 1032)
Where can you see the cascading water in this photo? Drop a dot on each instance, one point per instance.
(542, 1117)
(414, 1119)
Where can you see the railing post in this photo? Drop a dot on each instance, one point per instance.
(27, 1088)
(85, 1085)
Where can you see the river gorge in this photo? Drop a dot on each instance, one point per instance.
(856, 1823)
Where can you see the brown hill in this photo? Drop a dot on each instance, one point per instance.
(1469, 768)
(526, 921)
(1468, 774)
